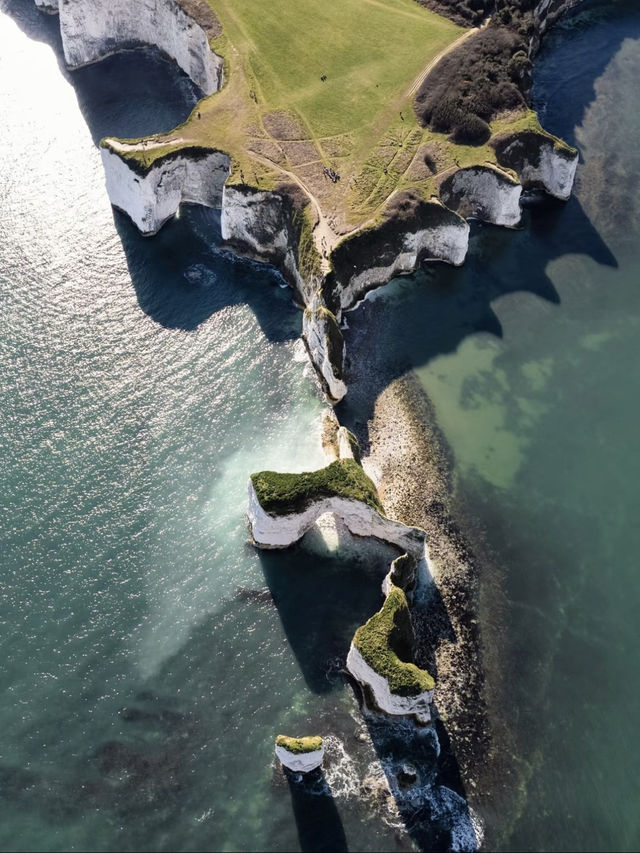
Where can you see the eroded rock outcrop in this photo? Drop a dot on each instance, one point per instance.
(381, 654)
(282, 507)
(540, 161)
(261, 225)
(300, 754)
(94, 29)
(412, 232)
(325, 345)
(485, 193)
(152, 196)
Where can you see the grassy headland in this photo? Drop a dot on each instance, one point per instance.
(314, 90)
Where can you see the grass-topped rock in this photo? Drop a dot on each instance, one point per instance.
(299, 745)
(282, 507)
(285, 493)
(380, 659)
(385, 643)
(300, 754)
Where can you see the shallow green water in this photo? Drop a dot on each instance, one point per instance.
(530, 356)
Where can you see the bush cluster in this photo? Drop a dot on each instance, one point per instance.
(472, 85)
(488, 74)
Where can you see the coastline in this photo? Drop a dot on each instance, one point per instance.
(413, 463)
(408, 456)
(458, 621)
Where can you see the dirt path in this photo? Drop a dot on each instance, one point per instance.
(324, 235)
(422, 76)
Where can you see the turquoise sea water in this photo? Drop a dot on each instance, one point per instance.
(530, 356)
(150, 655)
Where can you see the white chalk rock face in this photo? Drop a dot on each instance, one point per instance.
(256, 223)
(418, 706)
(326, 350)
(448, 243)
(152, 198)
(271, 531)
(345, 448)
(539, 163)
(301, 762)
(94, 29)
(485, 193)
(50, 6)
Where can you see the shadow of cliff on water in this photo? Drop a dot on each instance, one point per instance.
(421, 786)
(316, 815)
(184, 275)
(430, 313)
(322, 599)
(569, 91)
(320, 609)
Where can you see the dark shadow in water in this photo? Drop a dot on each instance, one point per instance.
(422, 774)
(317, 819)
(568, 92)
(321, 606)
(321, 601)
(430, 313)
(183, 276)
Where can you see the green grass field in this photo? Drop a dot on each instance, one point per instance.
(279, 121)
(370, 51)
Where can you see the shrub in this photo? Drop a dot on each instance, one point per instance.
(472, 130)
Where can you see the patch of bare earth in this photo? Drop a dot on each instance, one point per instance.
(201, 12)
(269, 149)
(298, 153)
(284, 126)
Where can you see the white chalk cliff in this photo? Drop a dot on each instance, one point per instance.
(485, 193)
(540, 162)
(325, 346)
(280, 531)
(151, 198)
(265, 225)
(300, 762)
(411, 246)
(93, 29)
(257, 223)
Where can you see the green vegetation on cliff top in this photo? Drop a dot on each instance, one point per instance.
(379, 640)
(281, 494)
(299, 745)
(276, 115)
(312, 86)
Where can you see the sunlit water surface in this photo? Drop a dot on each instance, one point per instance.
(150, 654)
